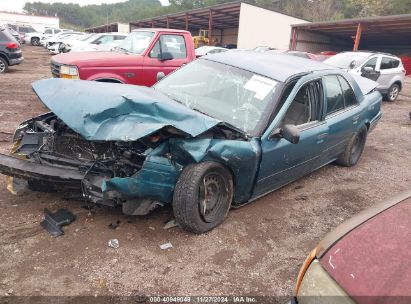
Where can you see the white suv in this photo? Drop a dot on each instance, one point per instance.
(37, 38)
(386, 69)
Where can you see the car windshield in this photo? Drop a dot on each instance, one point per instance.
(344, 60)
(136, 42)
(227, 93)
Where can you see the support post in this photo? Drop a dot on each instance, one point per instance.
(294, 40)
(168, 22)
(210, 27)
(358, 37)
(186, 27)
(152, 23)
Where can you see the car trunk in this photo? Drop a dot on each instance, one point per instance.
(374, 259)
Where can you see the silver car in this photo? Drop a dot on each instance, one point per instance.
(386, 69)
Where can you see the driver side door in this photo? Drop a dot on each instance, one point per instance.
(283, 162)
(374, 64)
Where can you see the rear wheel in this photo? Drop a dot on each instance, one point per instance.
(35, 41)
(354, 149)
(393, 92)
(4, 66)
(202, 196)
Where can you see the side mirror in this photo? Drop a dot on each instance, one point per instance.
(353, 64)
(160, 75)
(288, 132)
(165, 56)
(367, 69)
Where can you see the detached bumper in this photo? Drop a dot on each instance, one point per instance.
(25, 169)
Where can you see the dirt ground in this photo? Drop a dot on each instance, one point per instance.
(257, 251)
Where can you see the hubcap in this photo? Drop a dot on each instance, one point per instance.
(213, 196)
(2, 66)
(394, 93)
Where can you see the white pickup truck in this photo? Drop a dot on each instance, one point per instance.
(37, 38)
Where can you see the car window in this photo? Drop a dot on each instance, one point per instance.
(104, 39)
(334, 95)
(155, 51)
(173, 44)
(389, 63)
(48, 32)
(117, 37)
(372, 63)
(57, 31)
(349, 97)
(306, 106)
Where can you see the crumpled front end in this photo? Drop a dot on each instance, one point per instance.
(129, 151)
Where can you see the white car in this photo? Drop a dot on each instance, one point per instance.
(205, 50)
(54, 45)
(36, 38)
(386, 69)
(97, 42)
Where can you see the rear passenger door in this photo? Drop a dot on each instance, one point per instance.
(389, 68)
(173, 44)
(342, 114)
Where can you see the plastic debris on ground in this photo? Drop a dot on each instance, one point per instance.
(166, 246)
(114, 243)
(54, 221)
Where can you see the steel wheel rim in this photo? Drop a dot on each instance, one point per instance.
(394, 93)
(213, 196)
(2, 66)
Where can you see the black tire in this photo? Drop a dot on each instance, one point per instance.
(35, 41)
(354, 149)
(196, 182)
(393, 93)
(4, 65)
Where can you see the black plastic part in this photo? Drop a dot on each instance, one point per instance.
(54, 221)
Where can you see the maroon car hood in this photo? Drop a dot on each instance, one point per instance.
(98, 58)
(374, 259)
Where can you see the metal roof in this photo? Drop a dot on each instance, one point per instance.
(373, 27)
(111, 27)
(223, 15)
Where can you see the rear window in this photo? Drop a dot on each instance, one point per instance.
(389, 63)
(6, 36)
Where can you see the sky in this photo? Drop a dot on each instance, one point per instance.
(17, 5)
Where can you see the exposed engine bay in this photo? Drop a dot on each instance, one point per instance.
(48, 141)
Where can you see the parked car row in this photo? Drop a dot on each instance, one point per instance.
(10, 51)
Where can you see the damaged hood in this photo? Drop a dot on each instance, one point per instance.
(117, 112)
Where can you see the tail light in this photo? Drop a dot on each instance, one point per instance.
(12, 45)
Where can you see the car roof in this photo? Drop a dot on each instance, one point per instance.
(370, 53)
(276, 66)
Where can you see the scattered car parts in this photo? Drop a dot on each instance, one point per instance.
(53, 222)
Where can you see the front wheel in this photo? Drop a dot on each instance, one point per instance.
(202, 196)
(393, 92)
(354, 149)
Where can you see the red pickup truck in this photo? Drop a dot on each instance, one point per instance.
(142, 56)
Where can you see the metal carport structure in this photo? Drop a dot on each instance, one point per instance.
(384, 33)
(240, 23)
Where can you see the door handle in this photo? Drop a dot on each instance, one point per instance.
(322, 136)
(355, 119)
